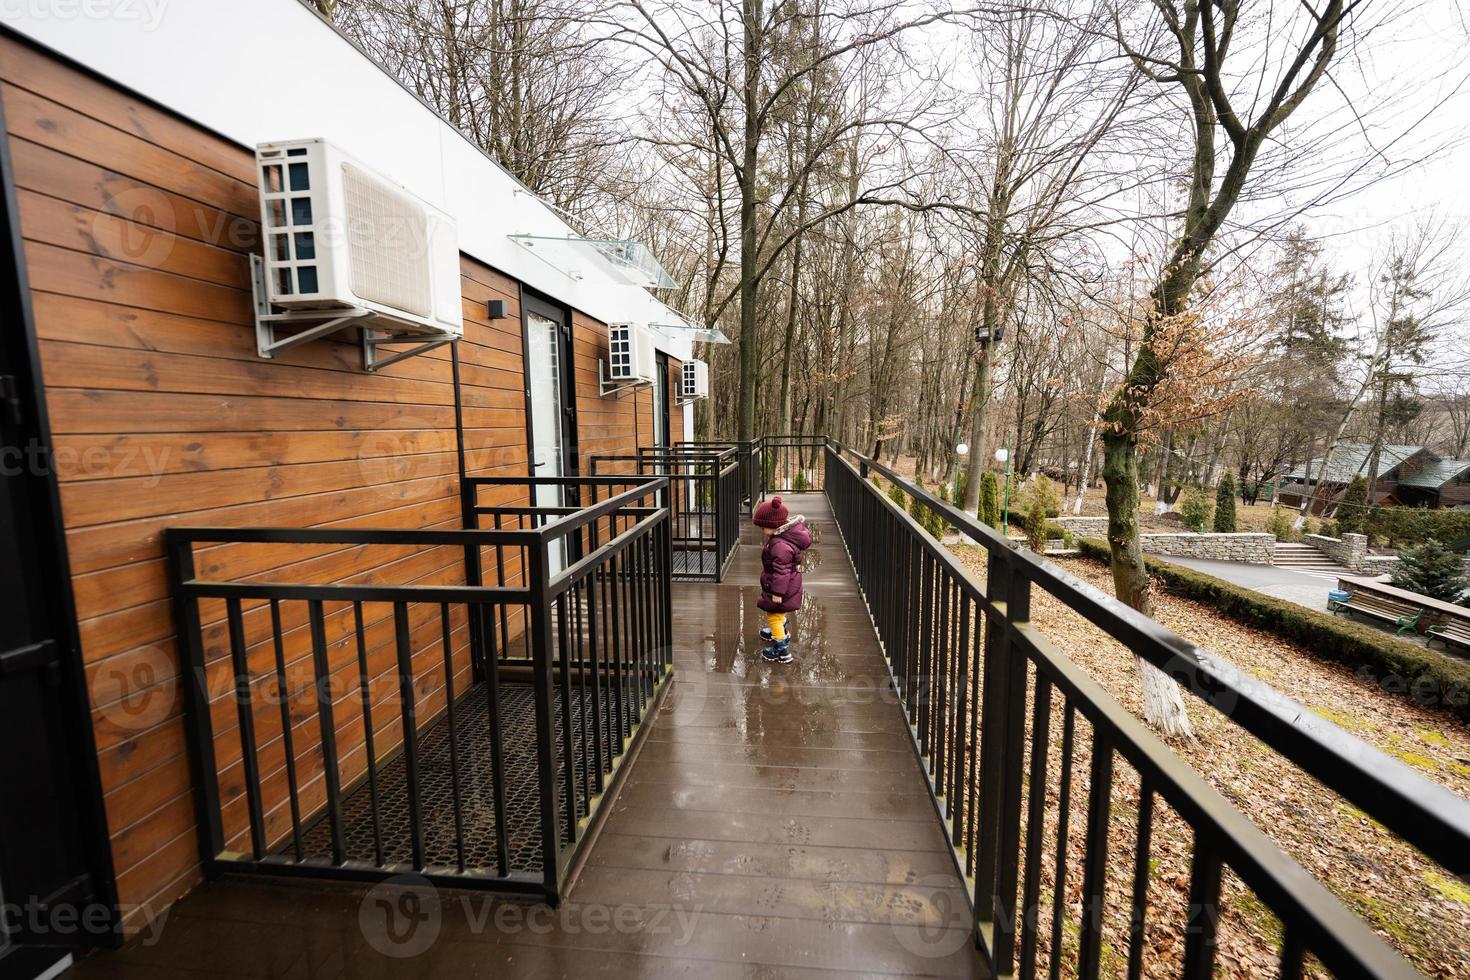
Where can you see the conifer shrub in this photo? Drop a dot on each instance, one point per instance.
(1196, 507)
(1225, 505)
(1432, 570)
(989, 499)
(1352, 510)
(1036, 524)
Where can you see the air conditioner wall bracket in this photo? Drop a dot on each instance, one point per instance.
(372, 361)
(317, 324)
(616, 387)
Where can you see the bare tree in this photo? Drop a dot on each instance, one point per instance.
(1417, 293)
(1192, 48)
(528, 80)
(735, 66)
(1050, 103)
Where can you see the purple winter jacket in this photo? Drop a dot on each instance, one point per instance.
(781, 567)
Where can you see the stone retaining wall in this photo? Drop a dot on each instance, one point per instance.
(1377, 565)
(1085, 527)
(1243, 546)
(1348, 550)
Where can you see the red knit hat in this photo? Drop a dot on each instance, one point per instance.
(771, 513)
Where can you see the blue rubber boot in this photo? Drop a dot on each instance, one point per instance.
(777, 653)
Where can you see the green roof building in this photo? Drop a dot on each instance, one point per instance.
(1411, 476)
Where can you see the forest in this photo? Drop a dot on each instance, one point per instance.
(1126, 240)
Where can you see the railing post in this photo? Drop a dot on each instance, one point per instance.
(539, 614)
(196, 701)
(666, 618)
(1002, 747)
(1008, 844)
(474, 575)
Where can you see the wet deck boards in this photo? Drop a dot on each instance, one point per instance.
(776, 824)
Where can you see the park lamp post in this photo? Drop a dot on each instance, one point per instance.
(1003, 455)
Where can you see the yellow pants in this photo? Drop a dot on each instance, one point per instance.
(777, 623)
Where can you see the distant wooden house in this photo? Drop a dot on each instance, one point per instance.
(1438, 483)
(1410, 476)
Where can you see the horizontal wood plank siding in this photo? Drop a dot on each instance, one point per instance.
(138, 226)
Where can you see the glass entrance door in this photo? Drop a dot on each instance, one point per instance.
(548, 405)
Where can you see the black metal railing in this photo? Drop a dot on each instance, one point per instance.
(352, 713)
(703, 500)
(522, 503)
(791, 464)
(745, 455)
(1005, 723)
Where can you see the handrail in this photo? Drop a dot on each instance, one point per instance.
(593, 512)
(584, 566)
(611, 479)
(964, 683)
(1435, 820)
(313, 535)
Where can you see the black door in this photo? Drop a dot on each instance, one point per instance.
(55, 895)
(661, 403)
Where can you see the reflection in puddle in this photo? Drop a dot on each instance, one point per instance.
(779, 705)
(775, 708)
(735, 645)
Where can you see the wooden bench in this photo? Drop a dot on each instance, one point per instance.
(1448, 633)
(1405, 618)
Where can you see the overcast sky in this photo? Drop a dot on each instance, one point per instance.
(1427, 57)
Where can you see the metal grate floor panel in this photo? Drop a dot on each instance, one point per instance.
(696, 564)
(476, 788)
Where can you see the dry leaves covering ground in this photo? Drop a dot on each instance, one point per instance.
(1401, 894)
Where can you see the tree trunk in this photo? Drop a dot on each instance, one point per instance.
(980, 403)
(1086, 470)
(844, 318)
(754, 17)
(1163, 705)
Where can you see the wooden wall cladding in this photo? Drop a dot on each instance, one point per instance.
(138, 226)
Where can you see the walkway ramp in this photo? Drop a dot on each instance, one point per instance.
(786, 800)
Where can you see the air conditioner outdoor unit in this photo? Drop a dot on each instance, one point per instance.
(695, 382)
(344, 243)
(630, 354)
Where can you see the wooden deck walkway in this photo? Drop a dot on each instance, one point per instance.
(776, 824)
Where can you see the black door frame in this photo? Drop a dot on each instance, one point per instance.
(49, 565)
(665, 379)
(543, 305)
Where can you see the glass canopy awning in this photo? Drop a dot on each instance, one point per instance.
(626, 261)
(698, 332)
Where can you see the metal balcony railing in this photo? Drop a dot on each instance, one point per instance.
(791, 464)
(704, 501)
(985, 690)
(361, 704)
(745, 458)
